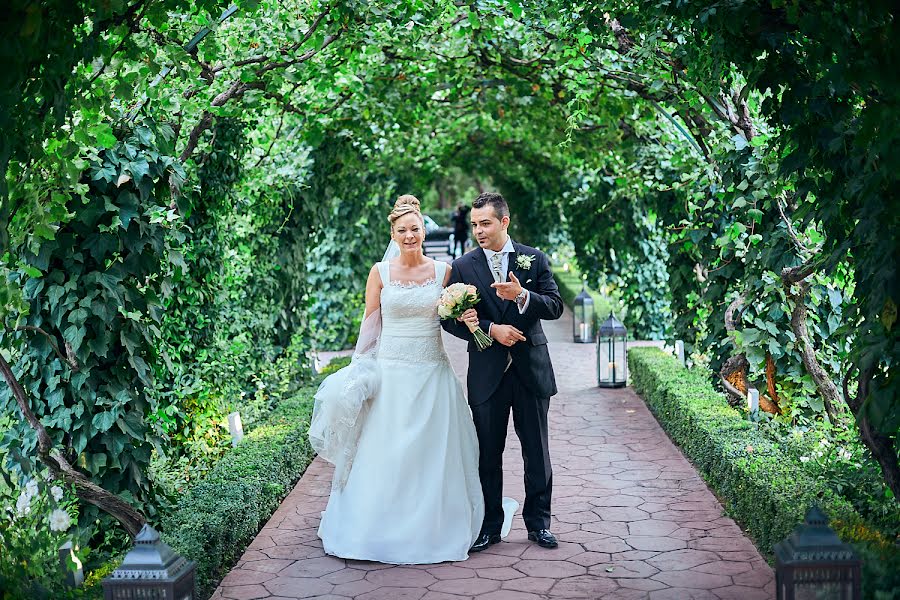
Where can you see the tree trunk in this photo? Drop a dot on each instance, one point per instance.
(828, 390)
(130, 518)
(734, 370)
(881, 446)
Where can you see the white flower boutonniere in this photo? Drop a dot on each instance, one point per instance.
(523, 261)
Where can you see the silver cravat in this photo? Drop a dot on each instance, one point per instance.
(497, 266)
(497, 270)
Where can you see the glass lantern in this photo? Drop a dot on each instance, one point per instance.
(583, 321)
(151, 571)
(813, 563)
(612, 368)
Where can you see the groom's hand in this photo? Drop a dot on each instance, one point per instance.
(508, 290)
(506, 334)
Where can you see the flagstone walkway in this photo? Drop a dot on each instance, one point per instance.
(634, 519)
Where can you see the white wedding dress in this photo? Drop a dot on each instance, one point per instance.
(412, 494)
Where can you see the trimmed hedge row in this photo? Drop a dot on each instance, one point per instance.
(219, 516)
(762, 486)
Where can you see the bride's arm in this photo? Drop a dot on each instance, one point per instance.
(373, 291)
(447, 275)
(452, 326)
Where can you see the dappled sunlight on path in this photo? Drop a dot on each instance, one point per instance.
(633, 517)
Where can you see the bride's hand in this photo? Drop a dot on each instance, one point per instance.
(470, 317)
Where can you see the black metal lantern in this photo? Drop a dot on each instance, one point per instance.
(151, 571)
(583, 321)
(813, 563)
(612, 368)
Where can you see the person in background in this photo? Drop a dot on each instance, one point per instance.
(460, 229)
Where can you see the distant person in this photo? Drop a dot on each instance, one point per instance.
(460, 229)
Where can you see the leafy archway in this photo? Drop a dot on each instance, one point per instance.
(729, 168)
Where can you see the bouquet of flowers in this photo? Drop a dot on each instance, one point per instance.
(457, 299)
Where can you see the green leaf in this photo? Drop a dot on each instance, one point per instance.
(103, 133)
(32, 272)
(74, 334)
(104, 420)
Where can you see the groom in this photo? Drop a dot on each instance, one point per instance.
(517, 290)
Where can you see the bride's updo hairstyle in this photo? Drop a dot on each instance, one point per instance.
(404, 205)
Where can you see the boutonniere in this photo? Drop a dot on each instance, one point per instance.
(523, 261)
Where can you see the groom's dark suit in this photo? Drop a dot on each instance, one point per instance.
(525, 387)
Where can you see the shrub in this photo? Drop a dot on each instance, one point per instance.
(762, 487)
(335, 364)
(219, 516)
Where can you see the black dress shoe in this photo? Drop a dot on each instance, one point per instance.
(484, 540)
(544, 538)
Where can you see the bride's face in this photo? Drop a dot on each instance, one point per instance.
(409, 233)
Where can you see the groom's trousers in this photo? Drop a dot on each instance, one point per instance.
(530, 421)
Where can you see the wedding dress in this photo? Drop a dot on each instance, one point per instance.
(411, 494)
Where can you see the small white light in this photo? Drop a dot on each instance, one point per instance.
(235, 428)
(753, 400)
(73, 578)
(679, 351)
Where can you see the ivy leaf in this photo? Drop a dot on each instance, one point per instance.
(755, 214)
(54, 293)
(131, 424)
(74, 334)
(32, 272)
(103, 133)
(104, 420)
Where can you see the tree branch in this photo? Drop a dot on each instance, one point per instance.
(881, 446)
(194, 137)
(827, 389)
(792, 275)
(302, 58)
(735, 393)
(730, 321)
(130, 518)
(621, 34)
(69, 359)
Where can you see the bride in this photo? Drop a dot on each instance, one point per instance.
(396, 424)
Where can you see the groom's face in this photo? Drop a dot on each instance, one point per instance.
(488, 228)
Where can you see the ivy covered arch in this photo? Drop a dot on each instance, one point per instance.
(731, 165)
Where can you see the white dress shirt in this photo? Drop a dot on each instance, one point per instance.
(506, 250)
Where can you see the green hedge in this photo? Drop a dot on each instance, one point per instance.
(219, 516)
(762, 487)
(335, 364)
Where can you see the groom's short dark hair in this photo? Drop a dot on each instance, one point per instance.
(495, 201)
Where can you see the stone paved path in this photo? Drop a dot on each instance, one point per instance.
(633, 517)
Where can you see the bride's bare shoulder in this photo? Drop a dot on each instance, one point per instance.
(375, 273)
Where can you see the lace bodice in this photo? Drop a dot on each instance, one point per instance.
(410, 328)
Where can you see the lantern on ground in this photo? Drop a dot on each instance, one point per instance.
(612, 370)
(583, 321)
(151, 570)
(813, 563)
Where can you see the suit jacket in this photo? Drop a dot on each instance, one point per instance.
(531, 359)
